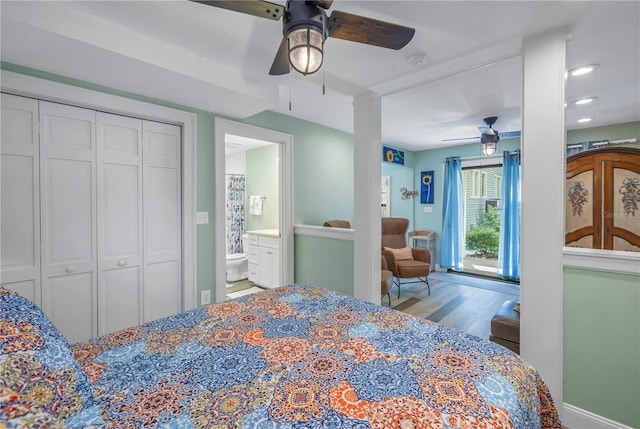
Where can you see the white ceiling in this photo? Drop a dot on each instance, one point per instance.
(218, 60)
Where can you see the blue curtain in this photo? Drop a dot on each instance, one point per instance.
(509, 250)
(451, 245)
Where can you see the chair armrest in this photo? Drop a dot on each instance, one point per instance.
(391, 262)
(421, 254)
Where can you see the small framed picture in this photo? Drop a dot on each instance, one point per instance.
(426, 187)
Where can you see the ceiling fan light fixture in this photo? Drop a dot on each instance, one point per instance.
(305, 49)
(489, 138)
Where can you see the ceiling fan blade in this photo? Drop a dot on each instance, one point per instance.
(462, 138)
(281, 61)
(261, 8)
(347, 26)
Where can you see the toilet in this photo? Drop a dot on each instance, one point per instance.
(238, 263)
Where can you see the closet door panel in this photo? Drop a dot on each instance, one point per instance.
(162, 214)
(20, 196)
(119, 304)
(68, 309)
(68, 212)
(68, 204)
(162, 298)
(119, 222)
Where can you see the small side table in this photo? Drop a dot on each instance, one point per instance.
(430, 237)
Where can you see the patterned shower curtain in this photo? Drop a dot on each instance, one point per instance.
(235, 212)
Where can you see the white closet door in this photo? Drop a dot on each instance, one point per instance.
(20, 197)
(162, 219)
(68, 211)
(119, 222)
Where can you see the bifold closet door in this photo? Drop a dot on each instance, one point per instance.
(162, 220)
(20, 197)
(68, 219)
(120, 237)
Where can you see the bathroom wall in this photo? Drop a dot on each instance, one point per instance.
(262, 173)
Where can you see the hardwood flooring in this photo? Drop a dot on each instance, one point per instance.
(464, 302)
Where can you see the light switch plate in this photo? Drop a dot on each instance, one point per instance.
(205, 297)
(202, 218)
(428, 209)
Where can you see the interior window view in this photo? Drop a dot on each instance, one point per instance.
(320, 214)
(482, 188)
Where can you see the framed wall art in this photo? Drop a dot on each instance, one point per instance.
(426, 187)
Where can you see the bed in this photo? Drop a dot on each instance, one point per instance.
(287, 358)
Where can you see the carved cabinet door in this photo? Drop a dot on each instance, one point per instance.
(602, 199)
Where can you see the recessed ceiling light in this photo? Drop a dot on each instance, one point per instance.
(579, 71)
(583, 120)
(585, 100)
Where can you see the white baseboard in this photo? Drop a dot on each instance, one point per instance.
(577, 418)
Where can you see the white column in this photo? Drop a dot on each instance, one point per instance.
(367, 121)
(542, 235)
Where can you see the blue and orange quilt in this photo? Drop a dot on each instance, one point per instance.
(305, 357)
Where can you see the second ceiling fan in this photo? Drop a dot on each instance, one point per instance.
(306, 25)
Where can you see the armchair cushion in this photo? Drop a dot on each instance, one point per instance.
(421, 254)
(402, 254)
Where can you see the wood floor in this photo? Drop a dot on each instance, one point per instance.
(464, 302)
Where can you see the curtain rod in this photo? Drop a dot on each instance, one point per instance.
(488, 158)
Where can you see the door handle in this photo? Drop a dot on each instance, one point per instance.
(122, 263)
(70, 269)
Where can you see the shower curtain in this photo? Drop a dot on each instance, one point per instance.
(235, 212)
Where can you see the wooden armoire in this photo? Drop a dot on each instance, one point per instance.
(603, 198)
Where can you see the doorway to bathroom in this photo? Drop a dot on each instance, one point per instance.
(254, 209)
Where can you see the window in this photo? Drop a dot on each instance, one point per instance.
(478, 184)
(497, 187)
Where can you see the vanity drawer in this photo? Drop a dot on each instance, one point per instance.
(252, 254)
(272, 242)
(253, 240)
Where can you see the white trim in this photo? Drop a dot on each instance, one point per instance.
(577, 418)
(542, 205)
(367, 168)
(18, 84)
(223, 127)
(346, 234)
(602, 260)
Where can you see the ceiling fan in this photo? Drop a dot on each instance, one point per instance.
(489, 137)
(305, 27)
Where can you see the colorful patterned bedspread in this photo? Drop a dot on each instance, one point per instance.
(304, 357)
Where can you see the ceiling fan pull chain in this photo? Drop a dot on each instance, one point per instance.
(290, 88)
(324, 29)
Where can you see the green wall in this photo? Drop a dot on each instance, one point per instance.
(324, 262)
(322, 168)
(608, 132)
(602, 343)
(401, 176)
(262, 179)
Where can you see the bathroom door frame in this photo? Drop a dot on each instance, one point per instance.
(285, 142)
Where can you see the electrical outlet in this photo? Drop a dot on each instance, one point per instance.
(205, 297)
